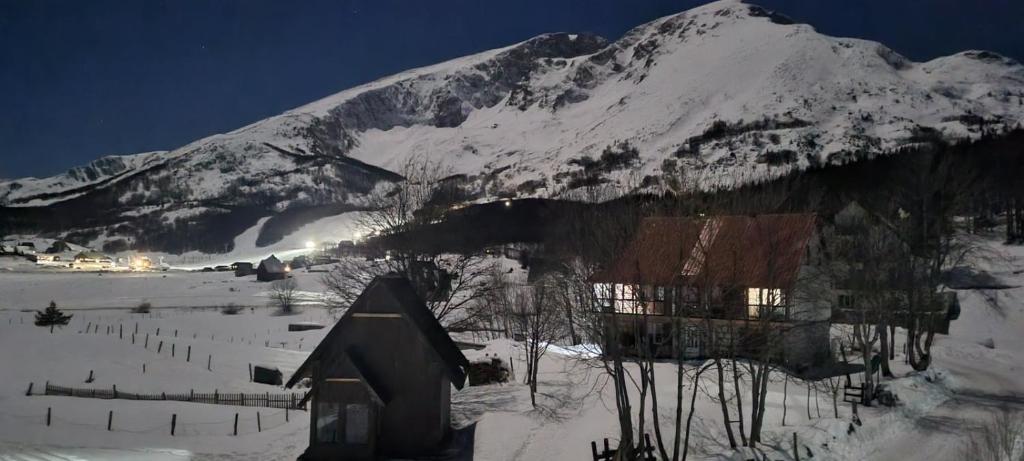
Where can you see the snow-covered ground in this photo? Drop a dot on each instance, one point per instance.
(76, 290)
(968, 381)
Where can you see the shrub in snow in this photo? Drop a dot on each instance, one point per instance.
(230, 309)
(487, 372)
(282, 295)
(142, 308)
(51, 316)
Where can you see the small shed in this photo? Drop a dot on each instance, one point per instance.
(382, 379)
(271, 269)
(265, 374)
(243, 268)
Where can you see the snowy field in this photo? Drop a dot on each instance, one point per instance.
(977, 369)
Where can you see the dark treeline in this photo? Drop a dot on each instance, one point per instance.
(982, 180)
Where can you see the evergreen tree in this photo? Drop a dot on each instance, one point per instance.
(51, 316)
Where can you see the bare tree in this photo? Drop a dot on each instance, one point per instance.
(537, 320)
(448, 283)
(867, 264)
(282, 295)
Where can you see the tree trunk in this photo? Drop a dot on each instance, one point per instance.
(883, 332)
(689, 417)
(724, 404)
(785, 396)
(654, 412)
(739, 400)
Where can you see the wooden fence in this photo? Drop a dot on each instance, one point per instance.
(291, 401)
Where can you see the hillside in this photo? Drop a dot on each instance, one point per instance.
(728, 93)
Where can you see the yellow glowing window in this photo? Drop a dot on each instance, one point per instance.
(763, 301)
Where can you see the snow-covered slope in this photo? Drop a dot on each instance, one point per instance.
(729, 91)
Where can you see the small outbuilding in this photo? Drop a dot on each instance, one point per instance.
(243, 268)
(271, 269)
(265, 374)
(382, 379)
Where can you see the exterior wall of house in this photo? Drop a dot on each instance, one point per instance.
(332, 434)
(399, 363)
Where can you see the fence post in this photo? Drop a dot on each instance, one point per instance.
(158, 332)
(115, 390)
(209, 363)
(175, 332)
(188, 356)
(120, 331)
(136, 328)
(259, 427)
(250, 372)
(236, 423)
(133, 338)
(174, 422)
(796, 451)
(146, 345)
(172, 349)
(48, 415)
(286, 413)
(110, 419)
(143, 368)
(29, 389)
(159, 347)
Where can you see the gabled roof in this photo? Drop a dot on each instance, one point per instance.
(272, 264)
(756, 251)
(416, 312)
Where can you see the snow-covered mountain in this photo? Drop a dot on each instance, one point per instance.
(728, 92)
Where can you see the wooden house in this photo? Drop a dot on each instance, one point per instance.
(859, 292)
(700, 286)
(271, 269)
(382, 378)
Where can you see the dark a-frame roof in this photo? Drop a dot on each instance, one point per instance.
(399, 289)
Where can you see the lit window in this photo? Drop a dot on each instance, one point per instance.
(763, 301)
(625, 300)
(603, 296)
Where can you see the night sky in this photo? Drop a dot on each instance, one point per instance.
(82, 79)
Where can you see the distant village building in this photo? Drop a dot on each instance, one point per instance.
(243, 268)
(727, 281)
(382, 378)
(92, 260)
(271, 269)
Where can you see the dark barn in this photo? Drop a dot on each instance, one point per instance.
(382, 378)
(271, 269)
